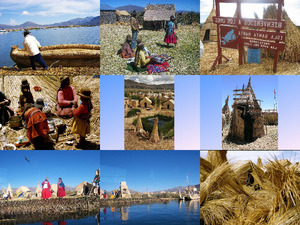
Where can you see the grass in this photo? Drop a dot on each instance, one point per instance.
(185, 58)
(133, 112)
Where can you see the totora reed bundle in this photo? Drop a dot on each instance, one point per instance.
(227, 197)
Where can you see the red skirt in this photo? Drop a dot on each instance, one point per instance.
(171, 39)
(61, 192)
(46, 193)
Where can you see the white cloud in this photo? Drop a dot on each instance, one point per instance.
(25, 13)
(12, 22)
(151, 79)
(228, 9)
(54, 7)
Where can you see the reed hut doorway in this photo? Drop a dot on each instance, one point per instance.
(207, 34)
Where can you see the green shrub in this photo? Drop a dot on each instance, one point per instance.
(132, 112)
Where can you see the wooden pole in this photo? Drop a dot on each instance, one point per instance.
(277, 31)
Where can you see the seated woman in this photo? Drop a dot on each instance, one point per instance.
(37, 127)
(66, 97)
(170, 32)
(25, 96)
(5, 111)
(140, 57)
(127, 52)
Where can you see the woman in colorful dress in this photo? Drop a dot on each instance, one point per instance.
(66, 97)
(170, 32)
(25, 96)
(82, 114)
(127, 52)
(37, 127)
(46, 189)
(60, 188)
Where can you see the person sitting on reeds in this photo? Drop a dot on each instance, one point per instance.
(170, 36)
(60, 188)
(66, 97)
(46, 189)
(5, 111)
(25, 96)
(82, 114)
(127, 52)
(140, 55)
(37, 127)
(31, 45)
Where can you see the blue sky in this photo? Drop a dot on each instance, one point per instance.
(189, 5)
(15, 12)
(211, 112)
(187, 110)
(214, 91)
(72, 166)
(112, 112)
(263, 87)
(292, 7)
(156, 170)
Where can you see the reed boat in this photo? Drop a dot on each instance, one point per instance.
(67, 55)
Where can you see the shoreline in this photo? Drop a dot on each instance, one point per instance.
(44, 28)
(48, 209)
(132, 201)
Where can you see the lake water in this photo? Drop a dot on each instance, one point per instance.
(90, 220)
(54, 36)
(161, 122)
(175, 213)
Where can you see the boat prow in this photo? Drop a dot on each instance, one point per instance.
(68, 55)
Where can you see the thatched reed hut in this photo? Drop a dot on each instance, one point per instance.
(108, 14)
(208, 31)
(246, 121)
(291, 52)
(156, 16)
(145, 103)
(9, 191)
(123, 16)
(38, 191)
(124, 190)
(23, 191)
(169, 104)
(134, 103)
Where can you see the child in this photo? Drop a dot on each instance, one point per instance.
(127, 52)
(25, 96)
(82, 114)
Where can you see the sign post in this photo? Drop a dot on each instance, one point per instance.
(238, 32)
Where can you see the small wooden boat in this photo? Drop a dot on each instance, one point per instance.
(68, 55)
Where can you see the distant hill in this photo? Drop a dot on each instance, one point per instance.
(87, 21)
(181, 188)
(135, 85)
(130, 8)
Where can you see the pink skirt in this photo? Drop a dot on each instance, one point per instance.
(46, 193)
(171, 39)
(61, 192)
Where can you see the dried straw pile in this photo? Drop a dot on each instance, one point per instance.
(225, 200)
(291, 52)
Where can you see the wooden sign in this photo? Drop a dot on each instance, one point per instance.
(263, 44)
(235, 32)
(252, 1)
(255, 23)
(228, 37)
(259, 34)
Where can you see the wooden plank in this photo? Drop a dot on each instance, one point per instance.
(263, 44)
(250, 1)
(259, 34)
(255, 23)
